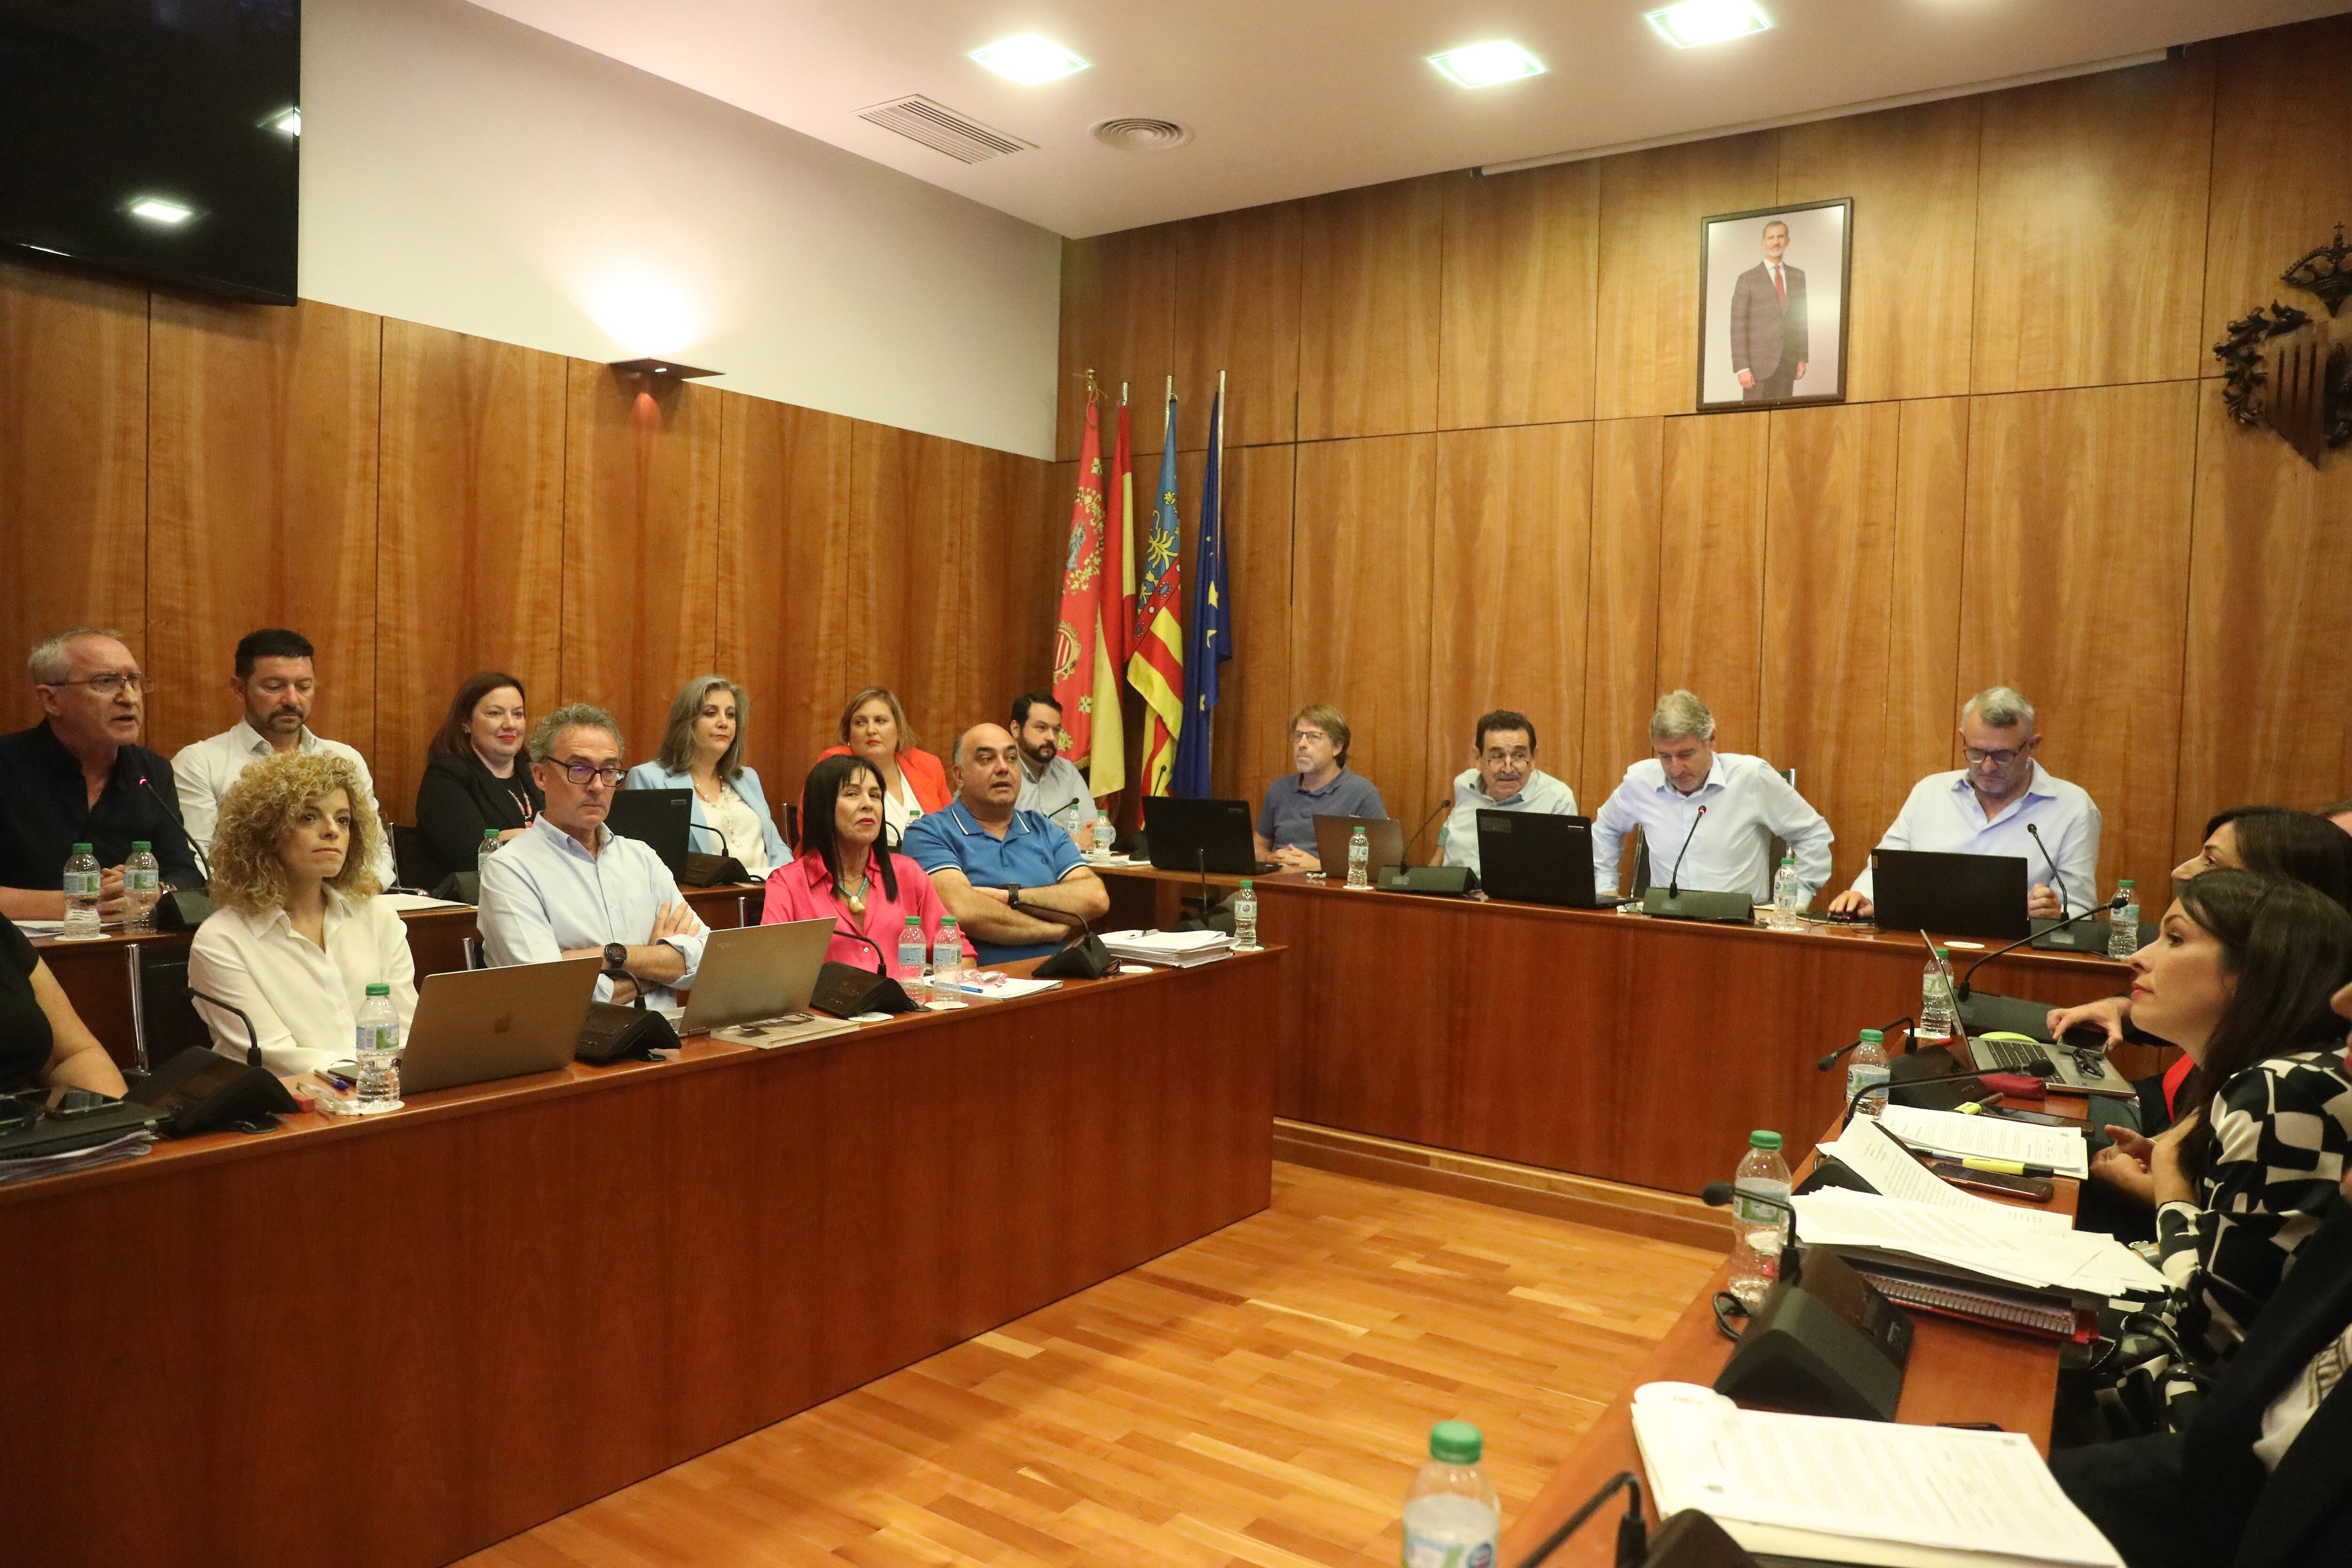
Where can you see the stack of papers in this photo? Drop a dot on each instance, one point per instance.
(1860, 1491)
(1172, 948)
(130, 1146)
(1949, 1132)
(999, 987)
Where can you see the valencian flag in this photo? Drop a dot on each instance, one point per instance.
(1156, 668)
(1114, 616)
(1073, 633)
(1208, 641)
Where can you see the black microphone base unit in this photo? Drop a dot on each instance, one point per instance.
(460, 887)
(1832, 1345)
(200, 1090)
(1437, 881)
(700, 871)
(1085, 959)
(844, 991)
(1693, 1540)
(181, 909)
(2086, 936)
(1737, 908)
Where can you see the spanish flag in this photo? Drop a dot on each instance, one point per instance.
(1156, 668)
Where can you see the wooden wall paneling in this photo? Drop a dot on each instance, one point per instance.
(1923, 606)
(1508, 572)
(783, 587)
(1912, 173)
(73, 463)
(2279, 186)
(909, 529)
(1368, 327)
(2090, 200)
(640, 547)
(1829, 565)
(2268, 669)
(470, 550)
(1118, 303)
(1360, 604)
(1521, 255)
(1237, 304)
(1620, 663)
(1019, 551)
(1711, 567)
(261, 459)
(2076, 591)
(1646, 336)
(1250, 745)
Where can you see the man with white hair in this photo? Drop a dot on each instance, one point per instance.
(1999, 805)
(1713, 814)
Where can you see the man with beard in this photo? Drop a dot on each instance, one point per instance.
(276, 680)
(1051, 784)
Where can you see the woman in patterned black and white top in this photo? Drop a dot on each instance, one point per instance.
(2240, 977)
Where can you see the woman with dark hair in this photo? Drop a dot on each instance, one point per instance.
(2241, 977)
(474, 782)
(868, 892)
(702, 750)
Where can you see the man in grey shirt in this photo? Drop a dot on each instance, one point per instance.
(1051, 784)
(1321, 787)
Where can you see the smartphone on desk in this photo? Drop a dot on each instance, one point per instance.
(2032, 1189)
(2038, 1118)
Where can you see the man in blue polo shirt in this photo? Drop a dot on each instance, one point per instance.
(1322, 786)
(1015, 882)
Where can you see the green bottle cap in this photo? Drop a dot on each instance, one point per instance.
(82, 850)
(489, 835)
(378, 988)
(914, 922)
(139, 844)
(1245, 884)
(1944, 954)
(1763, 1138)
(1873, 1037)
(2126, 884)
(1455, 1442)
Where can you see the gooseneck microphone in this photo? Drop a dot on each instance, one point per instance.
(1961, 992)
(880, 965)
(1718, 1194)
(252, 1038)
(1633, 1530)
(2057, 883)
(724, 847)
(1675, 882)
(1404, 856)
(1831, 1060)
(180, 827)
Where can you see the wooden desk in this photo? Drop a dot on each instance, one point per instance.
(397, 1341)
(96, 977)
(1606, 1045)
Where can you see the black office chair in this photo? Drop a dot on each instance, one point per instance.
(412, 862)
(163, 1017)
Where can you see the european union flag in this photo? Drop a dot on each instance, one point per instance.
(1209, 635)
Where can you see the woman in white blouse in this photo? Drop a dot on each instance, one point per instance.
(703, 750)
(297, 933)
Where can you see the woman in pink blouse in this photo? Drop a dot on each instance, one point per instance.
(839, 876)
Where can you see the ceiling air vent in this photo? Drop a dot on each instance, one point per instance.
(942, 130)
(1135, 134)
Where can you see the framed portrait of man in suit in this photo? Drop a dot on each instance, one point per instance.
(1772, 315)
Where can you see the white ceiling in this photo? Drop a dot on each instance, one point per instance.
(1291, 98)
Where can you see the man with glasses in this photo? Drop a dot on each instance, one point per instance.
(1502, 777)
(79, 776)
(1987, 807)
(1322, 786)
(276, 680)
(569, 887)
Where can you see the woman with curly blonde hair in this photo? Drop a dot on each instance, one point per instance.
(297, 933)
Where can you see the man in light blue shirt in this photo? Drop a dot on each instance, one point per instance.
(1714, 813)
(1502, 777)
(1015, 882)
(1987, 808)
(569, 887)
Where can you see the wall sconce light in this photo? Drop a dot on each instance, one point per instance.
(659, 371)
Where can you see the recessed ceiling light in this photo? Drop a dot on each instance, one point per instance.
(161, 210)
(289, 123)
(1484, 65)
(1029, 59)
(1695, 22)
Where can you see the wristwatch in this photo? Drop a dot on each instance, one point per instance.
(1012, 895)
(616, 958)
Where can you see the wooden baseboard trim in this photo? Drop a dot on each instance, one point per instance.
(1638, 1211)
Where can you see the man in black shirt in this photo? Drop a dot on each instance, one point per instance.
(81, 776)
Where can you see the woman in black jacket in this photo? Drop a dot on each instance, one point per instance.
(476, 780)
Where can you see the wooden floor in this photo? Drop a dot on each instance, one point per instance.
(1260, 1396)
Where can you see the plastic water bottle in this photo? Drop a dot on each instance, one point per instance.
(1787, 896)
(2123, 928)
(1756, 1229)
(1864, 1066)
(1104, 833)
(482, 856)
(1246, 918)
(83, 881)
(1938, 1016)
(910, 958)
(1359, 857)
(1451, 1516)
(377, 1050)
(143, 886)
(947, 958)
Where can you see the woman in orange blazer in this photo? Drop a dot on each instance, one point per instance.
(915, 781)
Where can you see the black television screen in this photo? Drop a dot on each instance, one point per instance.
(158, 137)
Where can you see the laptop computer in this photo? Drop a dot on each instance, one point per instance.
(1955, 895)
(1532, 858)
(476, 1024)
(658, 818)
(1202, 835)
(1332, 834)
(2084, 1068)
(756, 975)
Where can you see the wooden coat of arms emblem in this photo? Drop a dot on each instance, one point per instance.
(2286, 369)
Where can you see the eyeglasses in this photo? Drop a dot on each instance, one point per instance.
(108, 685)
(1521, 757)
(609, 774)
(1299, 737)
(1998, 759)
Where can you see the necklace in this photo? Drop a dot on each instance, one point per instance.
(854, 896)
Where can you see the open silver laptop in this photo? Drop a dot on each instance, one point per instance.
(2085, 1071)
(756, 975)
(476, 1024)
(1382, 834)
